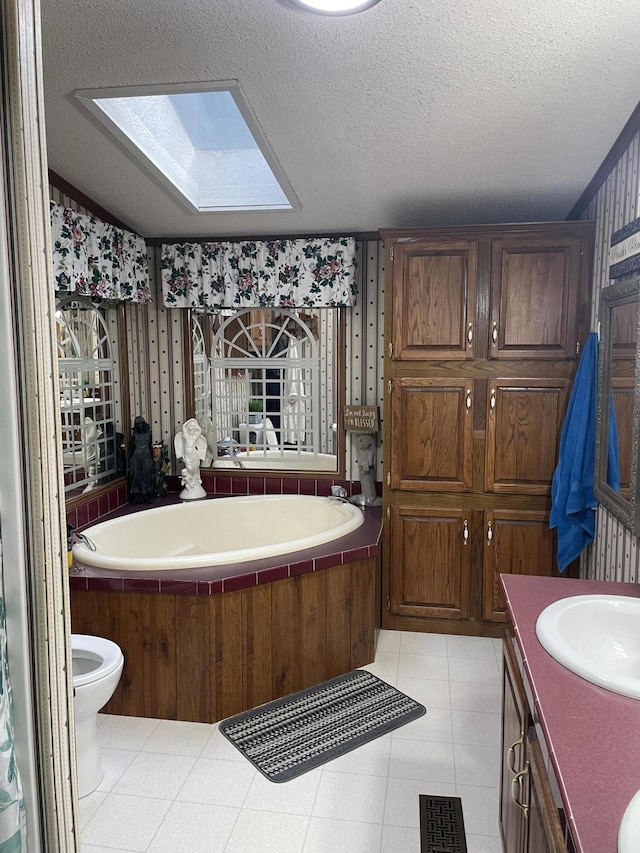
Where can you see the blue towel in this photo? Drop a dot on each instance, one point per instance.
(572, 497)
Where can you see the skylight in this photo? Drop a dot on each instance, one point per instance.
(203, 143)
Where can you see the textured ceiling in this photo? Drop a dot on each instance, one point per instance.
(415, 112)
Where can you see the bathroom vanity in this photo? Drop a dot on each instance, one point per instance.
(571, 750)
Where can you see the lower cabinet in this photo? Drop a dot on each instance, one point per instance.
(529, 815)
(445, 564)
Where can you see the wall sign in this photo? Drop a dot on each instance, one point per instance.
(361, 418)
(624, 255)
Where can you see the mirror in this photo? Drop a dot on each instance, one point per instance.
(618, 402)
(90, 410)
(268, 384)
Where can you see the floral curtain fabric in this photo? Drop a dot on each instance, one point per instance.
(95, 259)
(318, 273)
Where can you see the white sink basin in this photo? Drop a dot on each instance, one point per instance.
(597, 637)
(629, 831)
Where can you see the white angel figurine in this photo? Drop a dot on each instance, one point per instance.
(191, 446)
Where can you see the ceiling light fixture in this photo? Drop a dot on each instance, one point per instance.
(336, 7)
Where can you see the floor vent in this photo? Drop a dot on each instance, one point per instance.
(441, 825)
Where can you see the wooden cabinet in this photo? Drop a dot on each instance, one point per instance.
(432, 434)
(516, 541)
(534, 283)
(434, 284)
(431, 553)
(484, 326)
(529, 813)
(515, 723)
(524, 423)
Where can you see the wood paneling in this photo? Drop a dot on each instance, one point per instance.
(204, 658)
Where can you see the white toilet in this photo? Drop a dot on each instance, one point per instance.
(97, 667)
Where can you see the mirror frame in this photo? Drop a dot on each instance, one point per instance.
(341, 382)
(626, 510)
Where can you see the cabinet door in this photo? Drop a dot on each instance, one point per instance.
(434, 298)
(524, 423)
(432, 434)
(430, 562)
(517, 542)
(514, 726)
(535, 288)
(543, 823)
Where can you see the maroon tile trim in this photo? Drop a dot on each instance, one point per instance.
(77, 582)
(240, 485)
(177, 587)
(240, 582)
(222, 485)
(141, 585)
(105, 584)
(327, 562)
(273, 486)
(356, 554)
(256, 485)
(301, 568)
(279, 573)
(290, 486)
(307, 487)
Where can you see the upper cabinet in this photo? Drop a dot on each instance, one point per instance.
(435, 283)
(534, 288)
(512, 292)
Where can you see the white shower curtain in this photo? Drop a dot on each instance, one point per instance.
(13, 821)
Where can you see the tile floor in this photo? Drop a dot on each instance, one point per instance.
(174, 787)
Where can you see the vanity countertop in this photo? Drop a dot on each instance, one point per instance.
(593, 735)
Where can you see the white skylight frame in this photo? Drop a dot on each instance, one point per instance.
(148, 136)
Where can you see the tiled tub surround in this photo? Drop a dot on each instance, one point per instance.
(592, 735)
(200, 645)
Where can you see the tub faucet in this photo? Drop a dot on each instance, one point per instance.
(82, 537)
(237, 462)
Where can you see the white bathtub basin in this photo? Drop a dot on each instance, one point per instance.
(597, 637)
(215, 532)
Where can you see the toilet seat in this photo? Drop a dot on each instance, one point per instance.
(106, 656)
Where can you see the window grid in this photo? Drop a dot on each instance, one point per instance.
(272, 360)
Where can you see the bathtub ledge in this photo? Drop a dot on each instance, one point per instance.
(362, 544)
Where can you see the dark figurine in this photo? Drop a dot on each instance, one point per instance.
(161, 469)
(141, 466)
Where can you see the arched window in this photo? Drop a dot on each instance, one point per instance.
(266, 371)
(90, 443)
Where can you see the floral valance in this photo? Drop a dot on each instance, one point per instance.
(318, 273)
(95, 259)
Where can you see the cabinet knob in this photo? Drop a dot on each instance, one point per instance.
(494, 333)
(489, 532)
(465, 532)
(467, 401)
(492, 401)
(470, 333)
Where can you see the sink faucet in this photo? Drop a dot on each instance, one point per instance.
(237, 462)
